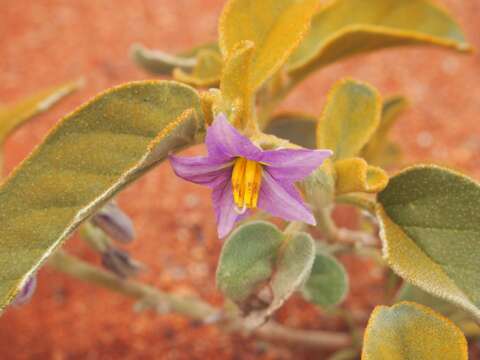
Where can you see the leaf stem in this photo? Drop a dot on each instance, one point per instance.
(195, 308)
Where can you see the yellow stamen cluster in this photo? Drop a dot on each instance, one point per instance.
(246, 180)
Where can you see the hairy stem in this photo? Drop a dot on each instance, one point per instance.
(194, 308)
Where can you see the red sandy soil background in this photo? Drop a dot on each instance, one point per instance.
(46, 42)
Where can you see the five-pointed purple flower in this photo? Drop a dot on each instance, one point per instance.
(242, 176)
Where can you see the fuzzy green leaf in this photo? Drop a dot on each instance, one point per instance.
(247, 259)
(292, 268)
(88, 157)
(430, 229)
(461, 318)
(275, 27)
(351, 116)
(409, 331)
(328, 282)
(162, 63)
(348, 27)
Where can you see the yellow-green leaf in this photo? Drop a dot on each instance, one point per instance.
(430, 229)
(12, 116)
(349, 27)
(327, 284)
(355, 175)
(409, 331)
(160, 62)
(88, 157)
(275, 27)
(461, 318)
(206, 72)
(379, 150)
(350, 118)
(297, 128)
(235, 87)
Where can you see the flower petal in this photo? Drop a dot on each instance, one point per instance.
(224, 142)
(198, 169)
(293, 164)
(283, 200)
(222, 198)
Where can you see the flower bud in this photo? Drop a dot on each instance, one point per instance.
(120, 263)
(26, 293)
(115, 223)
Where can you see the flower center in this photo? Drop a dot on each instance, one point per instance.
(246, 180)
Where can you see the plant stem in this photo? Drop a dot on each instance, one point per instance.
(194, 308)
(357, 200)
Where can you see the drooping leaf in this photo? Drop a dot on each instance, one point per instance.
(206, 73)
(88, 157)
(275, 27)
(355, 175)
(297, 128)
(379, 150)
(162, 63)
(349, 27)
(328, 282)
(430, 229)
(12, 116)
(292, 268)
(409, 331)
(247, 259)
(349, 119)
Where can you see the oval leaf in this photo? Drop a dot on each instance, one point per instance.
(409, 331)
(328, 282)
(355, 175)
(247, 259)
(275, 27)
(349, 27)
(89, 156)
(351, 116)
(430, 229)
(297, 128)
(292, 268)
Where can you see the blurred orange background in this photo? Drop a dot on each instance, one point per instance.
(47, 42)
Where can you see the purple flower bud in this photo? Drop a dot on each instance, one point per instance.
(26, 293)
(120, 263)
(115, 223)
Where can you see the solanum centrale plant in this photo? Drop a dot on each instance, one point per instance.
(263, 164)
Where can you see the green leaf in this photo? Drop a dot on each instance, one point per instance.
(430, 229)
(12, 116)
(88, 157)
(349, 27)
(159, 62)
(355, 175)
(409, 292)
(328, 282)
(350, 118)
(379, 150)
(409, 331)
(292, 268)
(247, 259)
(206, 72)
(236, 90)
(297, 128)
(276, 27)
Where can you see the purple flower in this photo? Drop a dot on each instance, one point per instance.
(242, 176)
